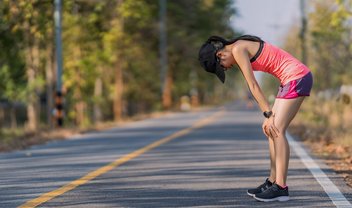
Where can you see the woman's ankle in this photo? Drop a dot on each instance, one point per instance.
(271, 180)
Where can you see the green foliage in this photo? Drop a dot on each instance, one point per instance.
(100, 36)
(328, 43)
(12, 73)
(330, 35)
(326, 113)
(189, 25)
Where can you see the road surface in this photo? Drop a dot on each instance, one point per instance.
(207, 158)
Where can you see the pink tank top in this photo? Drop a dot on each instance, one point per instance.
(279, 63)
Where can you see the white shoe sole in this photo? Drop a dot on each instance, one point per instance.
(249, 194)
(280, 198)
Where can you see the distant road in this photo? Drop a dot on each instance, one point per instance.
(197, 159)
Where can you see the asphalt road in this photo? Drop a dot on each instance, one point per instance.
(200, 159)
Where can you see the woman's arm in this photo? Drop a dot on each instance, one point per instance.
(240, 54)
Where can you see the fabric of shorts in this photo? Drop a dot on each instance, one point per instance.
(296, 88)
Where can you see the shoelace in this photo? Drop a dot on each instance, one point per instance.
(265, 187)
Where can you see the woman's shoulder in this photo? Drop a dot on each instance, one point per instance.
(245, 45)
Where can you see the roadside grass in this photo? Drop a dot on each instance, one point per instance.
(20, 138)
(7, 134)
(325, 126)
(9, 137)
(346, 140)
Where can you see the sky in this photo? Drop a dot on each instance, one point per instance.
(268, 19)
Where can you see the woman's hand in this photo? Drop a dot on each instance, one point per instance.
(269, 127)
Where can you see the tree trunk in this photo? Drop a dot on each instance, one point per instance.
(32, 62)
(80, 110)
(98, 93)
(118, 100)
(49, 74)
(32, 124)
(79, 104)
(167, 93)
(2, 117)
(32, 110)
(194, 91)
(13, 117)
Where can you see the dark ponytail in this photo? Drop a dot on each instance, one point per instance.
(220, 42)
(247, 37)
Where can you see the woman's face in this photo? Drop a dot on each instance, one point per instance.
(226, 58)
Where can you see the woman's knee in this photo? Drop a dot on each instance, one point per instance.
(281, 126)
(280, 136)
(282, 131)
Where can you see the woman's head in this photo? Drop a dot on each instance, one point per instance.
(225, 57)
(215, 55)
(208, 56)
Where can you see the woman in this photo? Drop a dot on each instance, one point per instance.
(250, 53)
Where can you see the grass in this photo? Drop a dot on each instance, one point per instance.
(6, 135)
(11, 138)
(19, 138)
(326, 127)
(329, 117)
(346, 139)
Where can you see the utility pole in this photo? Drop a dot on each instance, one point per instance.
(59, 94)
(163, 46)
(303, 31)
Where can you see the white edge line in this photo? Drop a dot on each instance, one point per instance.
(331, 190)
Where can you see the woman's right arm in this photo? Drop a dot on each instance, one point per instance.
(240, 54)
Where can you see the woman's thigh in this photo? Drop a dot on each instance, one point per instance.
(285, 111)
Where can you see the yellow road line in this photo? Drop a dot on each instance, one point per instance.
(90, 176)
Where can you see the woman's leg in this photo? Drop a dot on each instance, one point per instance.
(286, 110)
(272, 176)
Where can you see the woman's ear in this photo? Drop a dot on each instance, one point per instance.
(218, 53)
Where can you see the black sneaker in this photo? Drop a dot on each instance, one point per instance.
(274, 193)
(267, 184)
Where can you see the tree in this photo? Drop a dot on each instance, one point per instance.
(110, 54)
(24, 22)
(12, 71)
(331, 35)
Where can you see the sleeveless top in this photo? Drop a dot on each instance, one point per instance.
(279, 63)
